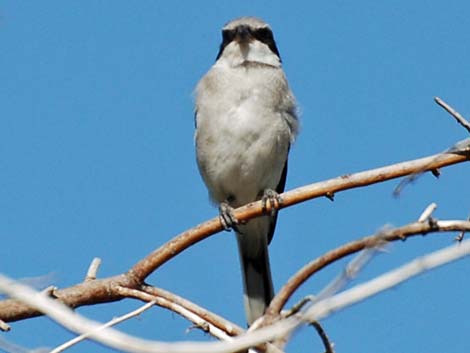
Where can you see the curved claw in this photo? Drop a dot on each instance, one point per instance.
(226, 216)
(275, 201)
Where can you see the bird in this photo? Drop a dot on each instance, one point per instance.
(246, 121)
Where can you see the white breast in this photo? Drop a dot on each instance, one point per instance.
(243, 133)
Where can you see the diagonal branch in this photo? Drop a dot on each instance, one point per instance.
(211, 323)
(105, 290)
(459, 118)
(400, 233)
(324, 188)
(110, 323)
(121, 341)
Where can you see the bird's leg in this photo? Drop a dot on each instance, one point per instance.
(226, 216)
(275, 201)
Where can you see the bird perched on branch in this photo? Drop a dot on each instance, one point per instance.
(246, 121)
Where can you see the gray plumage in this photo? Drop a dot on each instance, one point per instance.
(245, 123)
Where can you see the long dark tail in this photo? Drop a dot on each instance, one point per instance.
(256, 271)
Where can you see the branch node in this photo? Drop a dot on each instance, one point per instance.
(330, 195)
(401, 236)
(50, 291)
(299, 305)
(204, 326)
(436, 172)
(433, 225)
(461, 235)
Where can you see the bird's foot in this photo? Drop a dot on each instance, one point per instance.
(226, 216)
(271, 201)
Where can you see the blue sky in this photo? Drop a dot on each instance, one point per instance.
(97, 155)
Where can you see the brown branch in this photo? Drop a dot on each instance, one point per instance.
(86, 293)
(401, 233)
(105, 290)
(223, 324)
(324, 188)
(172, 301)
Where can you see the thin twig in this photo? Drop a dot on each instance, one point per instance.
(299, 305)
(460, 119)
(110, 323)
(388, 280)
(459, 147)
(351, 270)
(296, 308)
(323, 336)
(400, 233)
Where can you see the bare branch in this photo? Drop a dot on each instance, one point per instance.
(181, 242)
(104, 290)
(113, 338)
(220, 331)
(386, 281)
(400, 233)
(221, 323)
(110, 323)
(351, 270)
(321, 309)
(459, 147)
(460, 119)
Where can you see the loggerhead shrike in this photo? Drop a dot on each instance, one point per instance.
(245, 123)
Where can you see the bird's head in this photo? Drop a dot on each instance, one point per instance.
(248, 39)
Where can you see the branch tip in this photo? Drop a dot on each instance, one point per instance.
(459, 118)
(4, 326)
(329, 346)
(93, 269)
(427, 212)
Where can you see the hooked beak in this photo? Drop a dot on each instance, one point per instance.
(243, 34)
